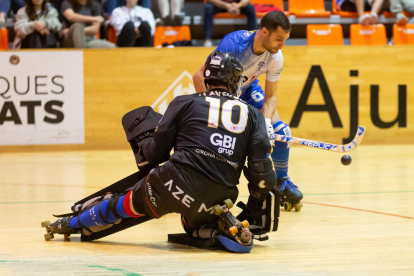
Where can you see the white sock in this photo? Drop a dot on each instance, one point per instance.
(175, 7)
(164, 7)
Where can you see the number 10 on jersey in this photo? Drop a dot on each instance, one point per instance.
(226, 114)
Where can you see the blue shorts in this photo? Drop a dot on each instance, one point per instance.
(254, 95)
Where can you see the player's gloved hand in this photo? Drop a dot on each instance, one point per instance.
(269, 127)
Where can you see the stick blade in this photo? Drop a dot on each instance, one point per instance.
(354, 143)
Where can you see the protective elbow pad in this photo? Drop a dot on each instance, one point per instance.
(261, 176)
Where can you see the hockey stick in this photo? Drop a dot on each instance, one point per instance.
(321, 145)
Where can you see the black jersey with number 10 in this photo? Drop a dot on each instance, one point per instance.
(212, 133)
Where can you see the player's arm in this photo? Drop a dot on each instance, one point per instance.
(158, 148)
(198, 80)
(269, 108)
(244, 3)
(220, 4)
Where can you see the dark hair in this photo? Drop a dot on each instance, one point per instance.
(274, 19)
(31, 13)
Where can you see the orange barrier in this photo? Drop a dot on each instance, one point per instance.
(112, 34)
(403, 35)
(368, 35)
(329, 34)
(314, 8)
(168, 34)
(4, 39)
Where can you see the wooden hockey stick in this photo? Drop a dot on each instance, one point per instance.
(321, 145)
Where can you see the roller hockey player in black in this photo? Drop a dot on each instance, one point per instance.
(211, 133)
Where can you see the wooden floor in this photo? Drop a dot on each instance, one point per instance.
(356, 220)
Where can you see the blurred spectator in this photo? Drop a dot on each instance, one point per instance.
(5, 6)
(170, 18)
(398, 6)
(36, 26)
(110, 5)
(230, 6)
(134, 25)
(82, 20)
(373, 6)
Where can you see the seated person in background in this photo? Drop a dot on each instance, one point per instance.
(399, 6)
(37, 25)
(230, 6)
(6, 5)
(373, 6)
(134, 25)
(82, 20)
(170, 18)
(110, 5)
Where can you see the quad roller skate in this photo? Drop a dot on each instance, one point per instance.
(61, 226)
(291, 196)
(233, 234)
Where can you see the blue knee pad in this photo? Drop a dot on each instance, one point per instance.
(91, 216)
(254, 95)
(280, 154)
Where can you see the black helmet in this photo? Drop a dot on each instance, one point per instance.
(224, 68)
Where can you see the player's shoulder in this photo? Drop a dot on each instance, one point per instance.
(240, 35)
(236, 41)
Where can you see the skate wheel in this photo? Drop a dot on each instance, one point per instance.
(288, 206)
(49, 236)
(228, 203)
(217, 210)
(298, 207)
(245, 223)
(246, 237)
(233, 230)
(45, 223)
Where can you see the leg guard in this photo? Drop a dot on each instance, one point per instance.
(228, 232)
(263, 217)
(113, 191)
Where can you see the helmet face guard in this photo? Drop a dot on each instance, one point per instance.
(225, 68)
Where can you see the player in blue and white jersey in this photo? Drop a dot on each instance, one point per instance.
(260, 53)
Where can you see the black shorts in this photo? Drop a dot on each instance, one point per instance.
(172, 188)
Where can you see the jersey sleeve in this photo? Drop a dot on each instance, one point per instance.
(227, 44)
(275, 68)
(259, 145)
(164, 137)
